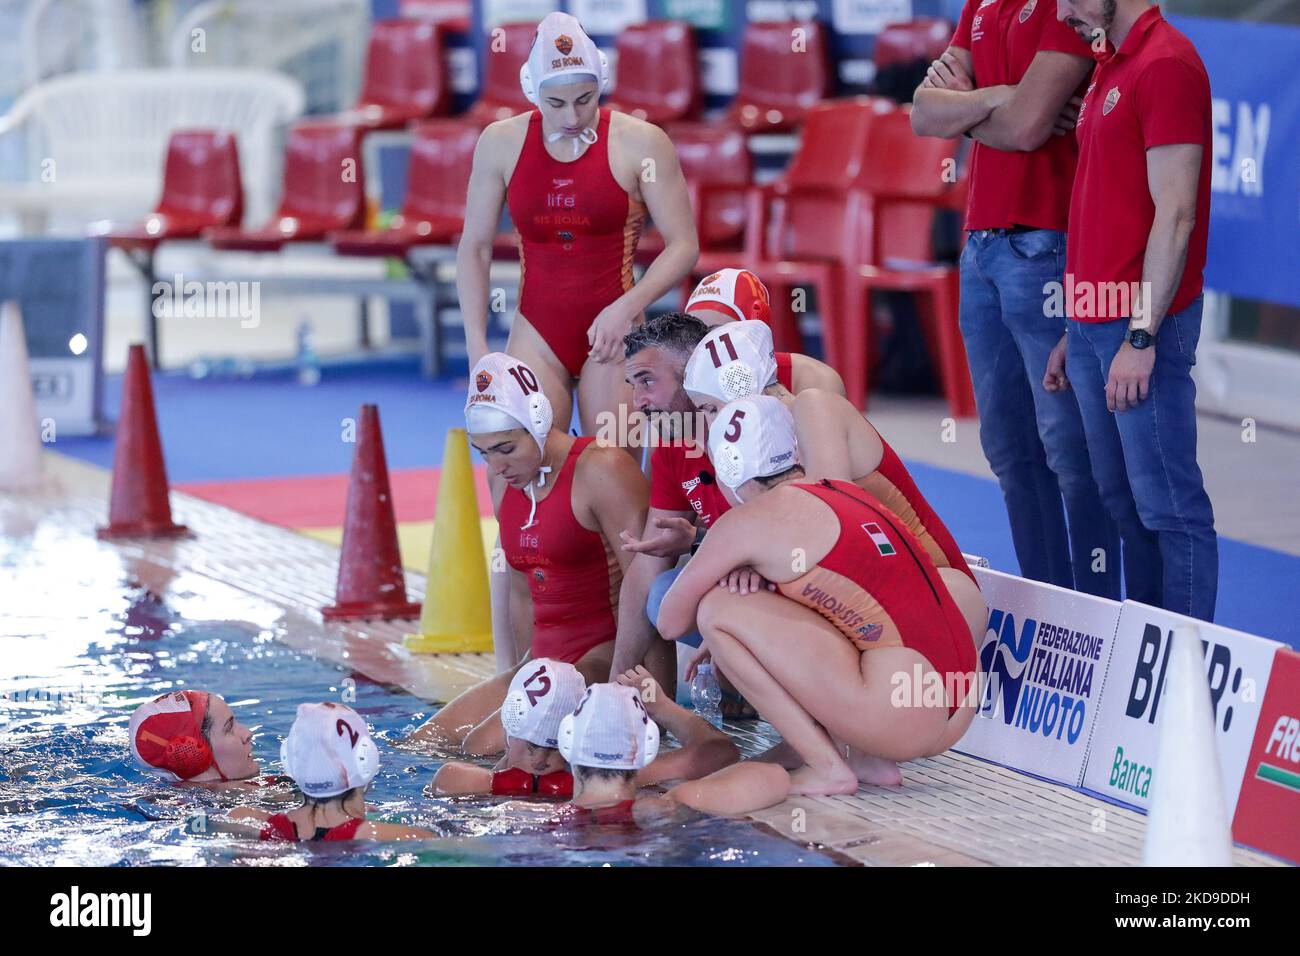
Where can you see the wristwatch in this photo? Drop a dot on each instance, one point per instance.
(1139, 338)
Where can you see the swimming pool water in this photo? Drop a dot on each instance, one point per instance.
(80, 652)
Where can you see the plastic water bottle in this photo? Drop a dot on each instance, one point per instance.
(706, 695)
(308, 360)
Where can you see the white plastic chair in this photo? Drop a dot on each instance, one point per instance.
(95, 142)
(321, 43)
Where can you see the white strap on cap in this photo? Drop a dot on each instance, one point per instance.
(734, 360)
(752, 438)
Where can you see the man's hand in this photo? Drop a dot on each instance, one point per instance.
(745, 581)
(1130, 377)
(1068, 117)
(672, 537)
(643, 682)
(946, 73)
(1055, 379)
(605, 334)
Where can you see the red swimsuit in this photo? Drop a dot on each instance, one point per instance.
(280, 827)
(878, 587)
(578, 229)
(573, 575)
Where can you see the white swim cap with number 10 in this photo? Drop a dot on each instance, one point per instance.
(505, 394)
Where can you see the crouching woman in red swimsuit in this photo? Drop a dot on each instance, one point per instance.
(561, 503)
(865, 653)
(578, 180)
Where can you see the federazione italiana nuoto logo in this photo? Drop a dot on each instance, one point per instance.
(1039, 675)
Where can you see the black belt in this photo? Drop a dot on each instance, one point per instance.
(1013, 231)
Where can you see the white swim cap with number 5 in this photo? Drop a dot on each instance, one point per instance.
(752, 438)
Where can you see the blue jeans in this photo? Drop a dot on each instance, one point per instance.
(1145, 463)
(658, 588)
(1033, 439)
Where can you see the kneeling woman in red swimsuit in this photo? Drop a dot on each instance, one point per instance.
(331, 757)
(865, 653)
(578, 180)
(561, 504)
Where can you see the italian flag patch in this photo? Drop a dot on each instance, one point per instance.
(878, 538)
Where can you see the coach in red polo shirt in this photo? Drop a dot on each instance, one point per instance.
(1008, 80)
(1139, 217)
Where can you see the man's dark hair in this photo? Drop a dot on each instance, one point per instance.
(671, 330)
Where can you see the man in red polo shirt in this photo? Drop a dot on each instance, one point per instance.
(1139, 220)
(1007, 80)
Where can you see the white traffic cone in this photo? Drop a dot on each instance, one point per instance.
(1187, 823)
(20, 464)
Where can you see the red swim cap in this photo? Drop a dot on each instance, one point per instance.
(167, 735)
(736, 293)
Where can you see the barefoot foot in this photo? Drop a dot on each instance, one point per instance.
(823, 781)
(875, 771)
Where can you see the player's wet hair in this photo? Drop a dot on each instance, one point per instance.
(793, 473)
(676, 331)
(583, 774)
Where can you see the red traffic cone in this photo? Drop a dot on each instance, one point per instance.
(371, 583)
(139, 506)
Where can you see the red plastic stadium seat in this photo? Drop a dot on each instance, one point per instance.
(923, 38)
(658, 72)
(783, 75)
(891, 215)
(504, 54)
(406, 76)
(719, 172)
(324, 191)
(797, 231)
(201, 189)
(433, 210)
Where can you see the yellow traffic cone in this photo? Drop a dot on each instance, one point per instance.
(21, 465)
(457, 615)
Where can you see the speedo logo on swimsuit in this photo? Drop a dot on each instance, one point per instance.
(74, 909)
(691, 485)
(834, 608)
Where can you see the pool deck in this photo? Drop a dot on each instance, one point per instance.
(952, 810)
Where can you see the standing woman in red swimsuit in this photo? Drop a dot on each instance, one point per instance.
(579, 181)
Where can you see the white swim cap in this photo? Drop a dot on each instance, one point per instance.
(609, 730)
(329, 750)
(505, 394)
(752, 438)
(542, 693)
(735, 293)
(733, 361)
(561, 47)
